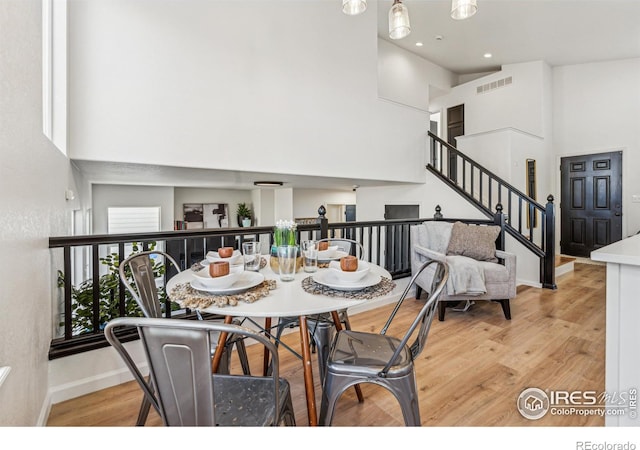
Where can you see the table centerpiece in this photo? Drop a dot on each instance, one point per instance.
(284, 233)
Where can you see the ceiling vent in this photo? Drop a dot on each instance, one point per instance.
(494, 85)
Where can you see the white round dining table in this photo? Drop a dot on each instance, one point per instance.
(288, 299)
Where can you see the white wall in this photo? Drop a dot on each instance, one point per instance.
(179, 84)
(33, 178)
(596, 109)
(405, 78)
(505, 152)
(110, 195)
(307, 201)
(520, 105)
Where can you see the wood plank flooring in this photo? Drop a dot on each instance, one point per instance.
(471, 373)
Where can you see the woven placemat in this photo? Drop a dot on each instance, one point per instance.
(188, 297)
(383, 287)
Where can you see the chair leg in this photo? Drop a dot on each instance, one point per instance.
(322, 335)
(145, 406)
(333, 388)
(441, 311)
(405, 390)
(506, 308)
(242, 355)
(418, 292)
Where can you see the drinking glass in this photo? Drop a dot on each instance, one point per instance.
(287, 255)
(310, 256)
(251, 252)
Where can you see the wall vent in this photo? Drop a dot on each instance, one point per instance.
(494, 85)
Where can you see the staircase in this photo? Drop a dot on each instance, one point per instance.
(527, 221)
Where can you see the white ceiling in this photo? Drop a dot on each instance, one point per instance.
(100, 172)
(559, 32)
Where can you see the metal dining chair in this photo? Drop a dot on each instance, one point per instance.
(182, 388)
(139, 267)
(387, 361)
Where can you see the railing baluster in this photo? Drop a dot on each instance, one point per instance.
(520, 215)
(68, 331)
(121, 289)
(95, 317)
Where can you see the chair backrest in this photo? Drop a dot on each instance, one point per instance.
(424, 318)
(145, 293)
(181, 384)
(349, 246)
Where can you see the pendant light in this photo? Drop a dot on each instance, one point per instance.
(399, 26)
(353, 7)
(463, 9)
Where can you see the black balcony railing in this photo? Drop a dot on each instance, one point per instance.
(91, 293)
(86, 304)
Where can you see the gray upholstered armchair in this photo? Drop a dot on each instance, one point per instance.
(477, 270)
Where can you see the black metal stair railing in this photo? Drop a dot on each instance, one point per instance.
(527, 221)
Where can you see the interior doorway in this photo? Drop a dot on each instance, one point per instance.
(590, 202)
(455, 128)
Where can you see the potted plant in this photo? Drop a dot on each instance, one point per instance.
(244, 215)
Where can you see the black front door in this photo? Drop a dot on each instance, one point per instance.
(591, 202)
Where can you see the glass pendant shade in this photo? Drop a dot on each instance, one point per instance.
(463, 9)
(354, 7)
(399, 26)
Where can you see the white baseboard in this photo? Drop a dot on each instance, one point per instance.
(528, 283)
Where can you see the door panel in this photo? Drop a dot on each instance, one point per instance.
(591, 202)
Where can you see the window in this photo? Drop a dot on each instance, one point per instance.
(133, 219)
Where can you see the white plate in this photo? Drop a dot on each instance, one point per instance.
(337, 255)
(235, 258)
(246, 281)
(328, 278)
(349, 277)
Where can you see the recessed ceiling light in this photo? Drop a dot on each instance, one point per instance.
(418, 44)
(268, 183)
(487, 55)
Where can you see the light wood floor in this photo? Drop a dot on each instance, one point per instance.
(474, 367)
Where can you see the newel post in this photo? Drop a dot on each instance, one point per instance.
(324, 222)
(438, 214)
(498, 219)
(548, 265)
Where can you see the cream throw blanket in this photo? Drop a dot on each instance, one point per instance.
(466, 275)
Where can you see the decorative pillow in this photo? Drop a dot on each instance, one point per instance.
(474, 241)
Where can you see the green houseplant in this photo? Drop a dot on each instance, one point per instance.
(109, 293)
(244, 215)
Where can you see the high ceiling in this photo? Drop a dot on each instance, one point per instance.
(559, 32)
